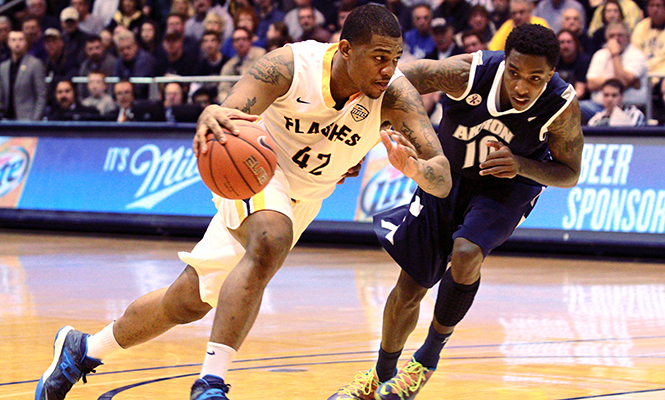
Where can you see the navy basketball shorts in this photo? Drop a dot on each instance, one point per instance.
(419, 236)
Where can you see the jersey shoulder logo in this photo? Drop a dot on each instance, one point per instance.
(474, 99)
(359, 112)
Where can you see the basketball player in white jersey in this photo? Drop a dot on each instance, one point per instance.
(324, 105)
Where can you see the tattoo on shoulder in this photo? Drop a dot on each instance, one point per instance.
(273, 69)
(568, 131)
(400, 96)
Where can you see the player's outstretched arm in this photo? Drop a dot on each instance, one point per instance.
(565, 141)
(450, 75)
(413, 147)
(269, 78)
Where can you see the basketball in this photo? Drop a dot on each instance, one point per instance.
(242, 166)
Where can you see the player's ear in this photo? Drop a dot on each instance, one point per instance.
(344, 48)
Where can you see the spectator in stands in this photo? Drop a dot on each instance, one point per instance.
(107, 42)
(88, 23)
(615, 113)
(37, 9)
(97, 60)
(213, 60)
(34, 37)
(501, 12)
(128, 109)
(173, 94)
(472, 42)
(278, 33)
(520, 13)
(129, 15)
(133, 61)
(403, 13)
(444, 40)
(418, 41)
(455, 12)
(571, 20)
(480, 22)
(59, 65)
(202, 97)
(573, 63)
(194, 25)
(215, 23)
(149, 37)
(22, 89)
(75, 38)
(98, 90)
(291, 18)
(175, 23)
(342, 13)
(310, 30)
(269, 13)
(649, 37)
(67, 108)
(552, 11)
(244, 17)
(175, 60)
(5, 28)
(631, 12)
(618, 59)
(611, 12)
(246, 56)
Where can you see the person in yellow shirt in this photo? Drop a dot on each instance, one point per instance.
(520, 14)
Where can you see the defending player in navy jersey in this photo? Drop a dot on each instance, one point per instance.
(510, 128)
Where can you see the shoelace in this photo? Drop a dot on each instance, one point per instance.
(405, 381)
(362, 382)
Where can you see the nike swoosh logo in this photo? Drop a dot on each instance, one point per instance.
(299, 100)
(212, 353)
(530, 119)
(384, 390)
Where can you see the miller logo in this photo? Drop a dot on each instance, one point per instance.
(14, 163)
(473, 99)
(387, 189)
(359, 112)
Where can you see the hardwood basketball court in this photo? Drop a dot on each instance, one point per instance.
(540, 327)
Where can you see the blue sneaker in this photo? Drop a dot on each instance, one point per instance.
(210, 387)
(69, 365)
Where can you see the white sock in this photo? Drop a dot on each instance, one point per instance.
(218, 359)
(102, 344)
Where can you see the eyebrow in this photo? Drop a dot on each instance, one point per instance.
(538, 71)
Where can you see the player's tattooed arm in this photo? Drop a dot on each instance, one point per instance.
(269, 78)
(565, 141)
(450, 75)
(413, 147)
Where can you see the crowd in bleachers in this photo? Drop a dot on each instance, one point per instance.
(611, 50)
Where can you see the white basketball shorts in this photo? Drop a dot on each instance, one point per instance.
(218, 252)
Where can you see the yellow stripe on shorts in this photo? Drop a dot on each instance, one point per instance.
(248, 206)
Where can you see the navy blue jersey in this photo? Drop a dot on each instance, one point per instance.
(473, 119)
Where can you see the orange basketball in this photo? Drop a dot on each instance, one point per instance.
(242, 166)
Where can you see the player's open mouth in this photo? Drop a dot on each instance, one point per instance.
(518, 101)
(383, 85)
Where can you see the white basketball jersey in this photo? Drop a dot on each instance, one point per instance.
(317, 144)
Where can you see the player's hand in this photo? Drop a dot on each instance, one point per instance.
(214, 119)
(500, 162)
(352, 172)
(401, 154)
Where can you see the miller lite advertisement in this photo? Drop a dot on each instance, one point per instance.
(16, 155)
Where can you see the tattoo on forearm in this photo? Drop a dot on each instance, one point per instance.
(247, 108)
(449, 76)
(410, 134)
(434, 179)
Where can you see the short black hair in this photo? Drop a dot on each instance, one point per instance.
(534, 40)
(369, 20)
(614, 82)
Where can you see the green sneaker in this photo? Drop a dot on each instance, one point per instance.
(406, 384)
(362, 388)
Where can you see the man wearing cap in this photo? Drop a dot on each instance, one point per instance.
(22, 90)
(444, 40)
(174, 60)
(74, 37)
(59, 65)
